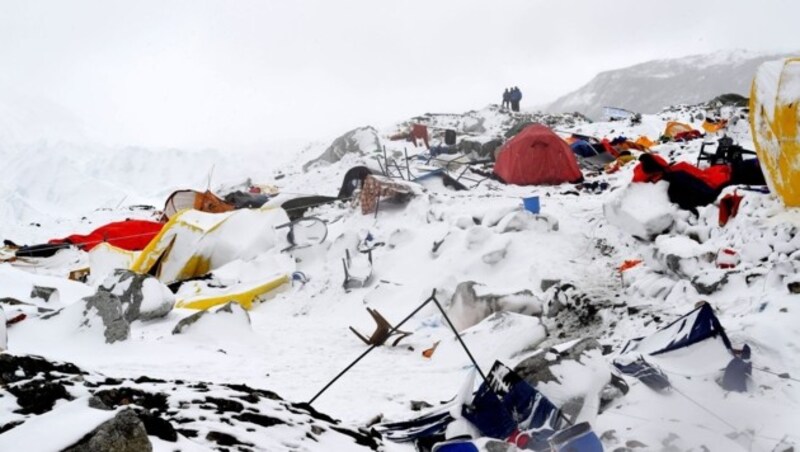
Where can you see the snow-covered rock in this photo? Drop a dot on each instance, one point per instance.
(143, 297)
(101, 313)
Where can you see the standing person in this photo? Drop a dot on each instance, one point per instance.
(516, 96)
(506, 98)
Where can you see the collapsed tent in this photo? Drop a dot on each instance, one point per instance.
(775, 124)
(191, 199)
(352, 181)
(674, 128)
(700, 326)
(193, 243)
(689, 186)
(537, 156)
(131, 235)
(696, 326)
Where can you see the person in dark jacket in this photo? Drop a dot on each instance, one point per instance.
(516, 97)
(506, 98)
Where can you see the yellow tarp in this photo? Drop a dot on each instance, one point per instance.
(775, 124)
(244, 296)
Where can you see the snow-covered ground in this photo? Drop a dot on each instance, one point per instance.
(298, 339)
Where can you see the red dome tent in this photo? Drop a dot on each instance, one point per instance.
(537, 156)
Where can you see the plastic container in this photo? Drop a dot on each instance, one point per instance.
(531, 204)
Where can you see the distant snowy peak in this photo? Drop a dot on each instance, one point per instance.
(649, 87)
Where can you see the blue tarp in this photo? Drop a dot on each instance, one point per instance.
(583, 148)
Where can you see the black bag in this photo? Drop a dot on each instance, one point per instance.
(450, 137)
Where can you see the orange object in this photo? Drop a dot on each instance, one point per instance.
(629, 264)
(428, 352)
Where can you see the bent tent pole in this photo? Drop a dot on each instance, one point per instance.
(394, 329)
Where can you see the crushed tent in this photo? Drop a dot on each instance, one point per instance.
(506, 403)
(131, 235)
(246, 200)
(193, 243)
(689, 186)
(674, 128)
(191, 199)
(696, 326)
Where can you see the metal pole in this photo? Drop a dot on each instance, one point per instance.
(367, 351)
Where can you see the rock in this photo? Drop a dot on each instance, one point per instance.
(123, 433)
(38, 396)
(357, 141)
(143, 297)
(224, 439)
(642, 210)
(3, 331)
(115, 397)
(474, 125)
(793, 287)
(158, 427)
(710, 281)
(230, 317)
(681, 255)
(536, 369)
(47, 294)
(468, 307)
(109, 309)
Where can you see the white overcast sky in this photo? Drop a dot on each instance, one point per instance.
(234, 73)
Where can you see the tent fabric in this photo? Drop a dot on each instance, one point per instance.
(190, 199)
(246, 200)
(245, 295)
(582, 148)
(505, 403)
(131, 235)
(673, 128)
(696, 326)
(193, 243)
(712, 126)
(645, 142)
(537, 156)
(644, 371)
(775, 126)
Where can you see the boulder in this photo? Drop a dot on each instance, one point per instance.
(642, 210)
(681, 255)
(357, 141)
(102, 310)
(46, 294)
(228, 318)
(472, 302)
(123, 433)
(3, 332)
(143, 297)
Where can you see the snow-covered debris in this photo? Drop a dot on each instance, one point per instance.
(642, 210)
(229, 319)
(359, 141)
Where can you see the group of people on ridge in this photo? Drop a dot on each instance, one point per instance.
(511, 98)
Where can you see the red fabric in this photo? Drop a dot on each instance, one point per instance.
(418, 131)
(609, 148)
(686, 136)
(729, 207)
(537, 156)
(640, 175)
(716, 176)
(131, 235)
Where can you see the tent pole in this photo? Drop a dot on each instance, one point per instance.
(458, 336)
(367, 351)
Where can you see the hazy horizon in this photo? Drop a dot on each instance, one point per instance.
(212, 74)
